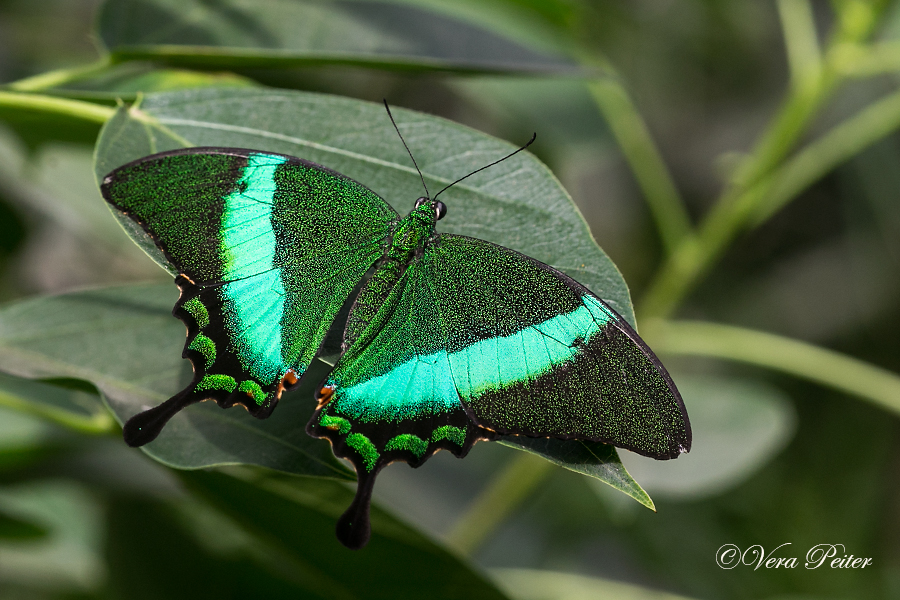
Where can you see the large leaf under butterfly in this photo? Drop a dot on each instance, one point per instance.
(447, 340)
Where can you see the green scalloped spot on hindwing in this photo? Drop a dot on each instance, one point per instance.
(216, 382)
(409, 442)
(204, 346)
(197, 309)
(365, 448)
(456, 435)
(254, 391)
(339, 424)
(207, 348)
(375, 444)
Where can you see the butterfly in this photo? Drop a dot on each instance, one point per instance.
(446, 340)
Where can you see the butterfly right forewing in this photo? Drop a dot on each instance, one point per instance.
(534, 353)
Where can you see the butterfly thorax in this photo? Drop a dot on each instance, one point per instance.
(407, 240)
(412, 233)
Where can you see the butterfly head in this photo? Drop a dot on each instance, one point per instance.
(436, 206)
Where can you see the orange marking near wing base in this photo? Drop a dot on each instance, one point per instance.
(324, 395)
(289, 379)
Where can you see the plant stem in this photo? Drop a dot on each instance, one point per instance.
(643, 157)
(799, 29)
(813, 363)
(52, 79)
(680, 272)
(843, 142)
(763, 199)
(498, 500)
(738, 207)
(857, 61)
(77, 109)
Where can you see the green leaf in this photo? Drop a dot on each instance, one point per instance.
(147, 537)
(533, 584)
(289, 33)
(68, 556)
(739, 425)
(127, 81)
(600, 461)
(14, 528)
(77, 409)
(517, 203)
(296, 519)
(125, 341)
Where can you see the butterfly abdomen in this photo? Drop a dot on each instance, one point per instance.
(406, 244)
(371, 297)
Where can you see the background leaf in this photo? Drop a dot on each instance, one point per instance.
(593, 459)
(298, 525)
(70, 402)
(739, 426)
(13, 528)
(532, 584)
(69, 555)
(278, 33)
(127, 80)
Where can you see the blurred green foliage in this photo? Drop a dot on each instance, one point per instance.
(736, 160)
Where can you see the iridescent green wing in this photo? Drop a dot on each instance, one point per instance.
(268, 248)
(391, 396)
(477, 340)
(532, 352)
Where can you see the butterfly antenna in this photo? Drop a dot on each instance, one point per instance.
(388, 108)
(531, 141)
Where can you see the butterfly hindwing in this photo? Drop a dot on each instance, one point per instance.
(268, 248)
(392, 392)
(391, 397)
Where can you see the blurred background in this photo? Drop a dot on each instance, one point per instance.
(700, 90)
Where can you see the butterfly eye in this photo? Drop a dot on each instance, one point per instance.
(440, 209)
(421, 201)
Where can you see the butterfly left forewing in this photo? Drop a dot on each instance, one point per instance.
(267, 248)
